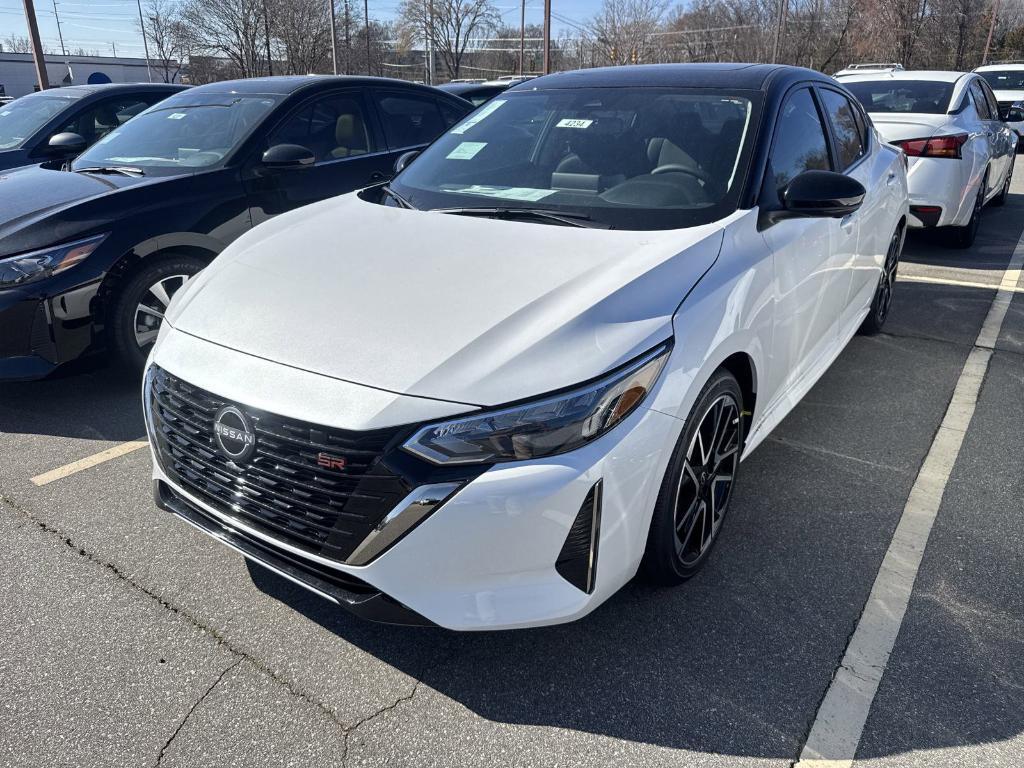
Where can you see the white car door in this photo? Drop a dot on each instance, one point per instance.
(811, 284)
(991, 128)
(862, 239)
(1002, 136)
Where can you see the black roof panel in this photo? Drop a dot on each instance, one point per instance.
(740, 76)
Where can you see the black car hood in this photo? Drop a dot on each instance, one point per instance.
(28, 196)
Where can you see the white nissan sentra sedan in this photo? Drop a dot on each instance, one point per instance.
(960, 151)
(487, 394)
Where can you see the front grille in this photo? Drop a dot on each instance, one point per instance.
(281, 490)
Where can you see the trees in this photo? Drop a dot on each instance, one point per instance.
(233, 29)
(167, 36)
(627, 31)
(456, 27)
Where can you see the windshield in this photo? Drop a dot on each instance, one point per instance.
(177, 136)
(637, 158)
(1005, 79)
(23, 117)
(930, 97)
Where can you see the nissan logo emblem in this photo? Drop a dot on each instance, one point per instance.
(234, 434)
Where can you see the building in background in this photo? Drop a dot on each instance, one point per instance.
(18, 75)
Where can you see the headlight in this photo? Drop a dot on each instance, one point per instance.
(28, 267)
(544, 427)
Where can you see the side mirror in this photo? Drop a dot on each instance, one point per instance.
(822, 194)
(1014, 115)
(404, 159)
(285, 157)
(67, 144)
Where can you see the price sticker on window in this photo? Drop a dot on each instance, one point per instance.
(570, 122)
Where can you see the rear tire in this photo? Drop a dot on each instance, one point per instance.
(139, 304)
(963, 237)
(697, 488)
(881, 304)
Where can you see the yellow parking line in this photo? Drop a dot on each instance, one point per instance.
(89, 461)
(962, 283)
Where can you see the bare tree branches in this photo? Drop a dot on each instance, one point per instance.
(455, 25)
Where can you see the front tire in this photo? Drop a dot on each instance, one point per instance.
(881, 304)
(140, 303)
(697, 488)
(1000, 199)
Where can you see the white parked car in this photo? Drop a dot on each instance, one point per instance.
(961, 154)
(1007, 82)
(868, 69)
(487, 394)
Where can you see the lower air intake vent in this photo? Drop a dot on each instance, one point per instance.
(577, 562)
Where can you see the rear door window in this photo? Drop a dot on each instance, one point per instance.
(846, 130)
(410, 120)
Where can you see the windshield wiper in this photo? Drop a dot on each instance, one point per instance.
(568, 219)
(124, 170)
(397, 197)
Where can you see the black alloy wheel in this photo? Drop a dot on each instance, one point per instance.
(1004, 193)
(138, 310)
(882, 302)
(698, 485)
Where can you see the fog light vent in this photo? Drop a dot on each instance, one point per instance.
(577, 562)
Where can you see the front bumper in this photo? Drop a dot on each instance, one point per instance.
(487, 557)
(41, 332)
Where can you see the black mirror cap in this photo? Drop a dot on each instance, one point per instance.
(67, 143)
(286, 156)
(404, 159)
(822, 194)
(1014, 115)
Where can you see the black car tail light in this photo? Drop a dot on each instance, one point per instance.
(577, 562)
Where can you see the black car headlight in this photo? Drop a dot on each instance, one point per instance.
(544, 427)
(36, 265)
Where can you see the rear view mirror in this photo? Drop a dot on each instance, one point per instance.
(822, 194)
(288, 156)
(404, 159)
(67, 144)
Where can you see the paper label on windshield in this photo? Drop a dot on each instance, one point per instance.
(466, 150)
(569, 122)
(175, 115)
(506, 193)
(477, 116)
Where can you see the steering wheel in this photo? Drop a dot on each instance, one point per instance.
(679, 168)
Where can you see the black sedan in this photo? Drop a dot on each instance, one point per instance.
(89, 112)
(477, 93)
(92, 251)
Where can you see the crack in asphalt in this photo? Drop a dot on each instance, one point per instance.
(220, 639)
(393, 705)
(966, 345)
(194, 707)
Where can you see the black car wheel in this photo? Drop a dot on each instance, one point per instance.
(139, 307)
(697, 488)
(1000, 199)
(882, 303)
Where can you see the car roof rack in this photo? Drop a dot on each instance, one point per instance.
(875, 65)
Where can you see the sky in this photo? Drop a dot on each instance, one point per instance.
(103, 26)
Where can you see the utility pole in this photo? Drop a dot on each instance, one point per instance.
(37, 48)
(266, 38)
(547, 37)
(779, 25)
(991, 29)
(430, 43)
(366, 29)
(60, 35)
(145, 43)
(348, 42)
(522, 35)
(334, 37)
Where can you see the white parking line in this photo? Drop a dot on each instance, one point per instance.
(962, 283)
(839, 723)
(89, 461)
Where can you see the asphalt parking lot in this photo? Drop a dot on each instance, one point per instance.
(128, 639)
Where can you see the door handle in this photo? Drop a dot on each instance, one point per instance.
(846, 223)
(891, 178)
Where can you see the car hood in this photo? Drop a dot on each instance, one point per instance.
(29, 195)
(465, 309)
(899, 127)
